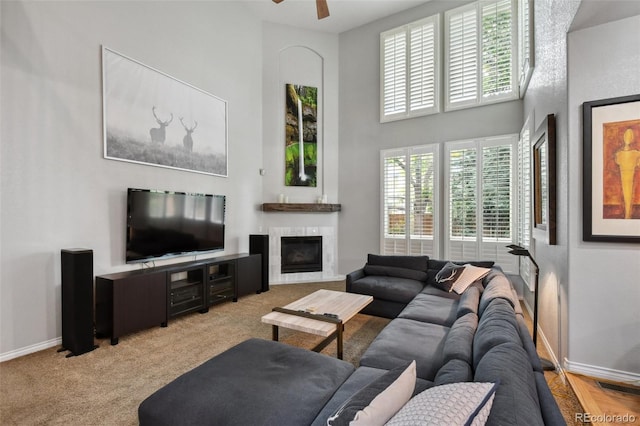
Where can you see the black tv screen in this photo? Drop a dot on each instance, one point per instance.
(166, 224)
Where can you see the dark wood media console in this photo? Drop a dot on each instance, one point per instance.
(130, 301)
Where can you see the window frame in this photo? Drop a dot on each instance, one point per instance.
(479, 98)
(405, 30)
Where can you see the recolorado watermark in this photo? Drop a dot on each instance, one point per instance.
(605, 418)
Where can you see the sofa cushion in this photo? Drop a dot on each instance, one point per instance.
(497, 286)
(454, 371)
(435, 291)
(379, 400)
(394, 271)
(404, 340)
(496, 326)
(469, 301)
(419, 263)
(434, 309)
(516, 401)
(451, 404)
(459, 341)
(387, 288)
(275, 378)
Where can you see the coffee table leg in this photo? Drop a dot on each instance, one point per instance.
(274, 333)
(340, 330)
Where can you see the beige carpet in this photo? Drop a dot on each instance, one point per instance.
(105, 386)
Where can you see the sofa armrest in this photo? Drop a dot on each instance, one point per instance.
(354, 276)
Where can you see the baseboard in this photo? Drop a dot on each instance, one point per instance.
(30, 349)
(602, 373)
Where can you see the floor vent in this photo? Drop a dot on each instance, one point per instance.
(618, 388)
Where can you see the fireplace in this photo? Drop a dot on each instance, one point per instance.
(300, 254)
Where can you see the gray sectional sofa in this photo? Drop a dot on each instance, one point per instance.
(478, 336)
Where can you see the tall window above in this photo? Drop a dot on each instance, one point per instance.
(480, 53)
(409, 70)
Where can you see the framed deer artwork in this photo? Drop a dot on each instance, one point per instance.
(152, 118)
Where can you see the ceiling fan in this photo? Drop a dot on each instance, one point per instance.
(321, 7)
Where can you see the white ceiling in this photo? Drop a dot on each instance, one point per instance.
(344, 14)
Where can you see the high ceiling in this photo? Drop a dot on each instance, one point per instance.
(344, 14)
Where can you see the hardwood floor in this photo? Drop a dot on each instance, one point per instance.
(604, 406)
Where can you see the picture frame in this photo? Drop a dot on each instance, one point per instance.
(611, 170)
(152, 118)
(544, 181)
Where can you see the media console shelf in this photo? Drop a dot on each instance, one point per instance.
(131, 301)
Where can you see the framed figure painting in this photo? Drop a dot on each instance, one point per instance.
(611, 170)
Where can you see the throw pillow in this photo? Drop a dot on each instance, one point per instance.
(465, 403)
(446, 278)
(379, 401)
(469, 275)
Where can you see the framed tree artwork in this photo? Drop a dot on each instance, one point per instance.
(544, 181)
(611, 170)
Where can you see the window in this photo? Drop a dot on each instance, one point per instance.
(480, 54)
(523, 237)
(410, 191)
(480, 199)
(409, 72)
(525, 38)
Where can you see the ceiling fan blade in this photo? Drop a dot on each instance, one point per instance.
(322, 8)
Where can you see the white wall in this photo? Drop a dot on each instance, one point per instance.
(292, 55)
(604, 294)
(57, 190)
(362, 136)
(547, 94)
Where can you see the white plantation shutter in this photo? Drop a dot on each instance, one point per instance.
(462, 55)
(497, 45)
(480, 49)
(480, 200)
(525, 47)
(394, 80)
(524, 199)
(409, 185)
(423, 81)
(410, 74)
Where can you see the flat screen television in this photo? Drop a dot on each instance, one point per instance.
(164, 224)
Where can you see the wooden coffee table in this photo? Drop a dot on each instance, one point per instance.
(322, 313)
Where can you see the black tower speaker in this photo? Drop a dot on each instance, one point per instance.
(77, 301)
(259, 244)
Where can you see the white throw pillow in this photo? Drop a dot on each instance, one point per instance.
(470, 275)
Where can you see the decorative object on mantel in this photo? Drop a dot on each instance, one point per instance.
(517, 250)
(611, 170)
(301, 136)
(152, 118)
(301, 207)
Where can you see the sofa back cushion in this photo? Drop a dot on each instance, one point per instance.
(459, 341)
(419, 263)
(516, 401)
(454, 371)
(497, 325)
(395, 271)
(496, 286)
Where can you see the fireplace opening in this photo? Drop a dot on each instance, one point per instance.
(301, 254)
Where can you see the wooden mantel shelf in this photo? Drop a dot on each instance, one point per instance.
(301, 207)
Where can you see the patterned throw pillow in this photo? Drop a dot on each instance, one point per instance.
(464, 403)
(448, 275)
(469, 275)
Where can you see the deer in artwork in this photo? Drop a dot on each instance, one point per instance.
(158, 134)
(187, 140)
